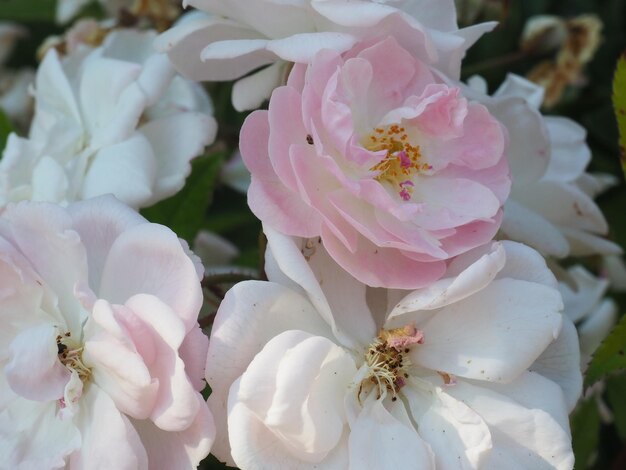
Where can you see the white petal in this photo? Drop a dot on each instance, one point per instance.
(596, 327)
(459, 283)
(127, 170)
(525, 264)
(296, 387)
(136, 46)
(457, 435)
(520, 87)
(522, 224)
(55, 97)
(33, 437)
(66, 9)
(339, 297)
(563, 204)
(108, 438)
(49, 182)
(186, 41)
(250, 92)
(529, 145)
(302, 47)
(110, 100)
(175, 140)
(505, 327)
(235, 174)
(559, 364)
(255, 449)
(378, 440)
(587, 292)
(584, 243)
(570, 153)
(250, 315)
(524, 434)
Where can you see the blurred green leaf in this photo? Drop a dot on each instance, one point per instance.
(211, 463)
(619, 105)
(585, 432)
(609, 356)
(185, 212)
(616, 391)
(5, 129)
(27, 10)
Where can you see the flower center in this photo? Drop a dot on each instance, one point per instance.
(388, 362)
(402, 160)
(71, 356)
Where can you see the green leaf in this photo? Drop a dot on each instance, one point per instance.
(27, 10)
(185, 212)
(619, 105)
(616, 391)
(585, 432)
(5, 129)
(609, 357)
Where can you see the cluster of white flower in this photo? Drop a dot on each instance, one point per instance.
(407, 316)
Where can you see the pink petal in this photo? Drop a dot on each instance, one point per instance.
(149, 259)
(182, 449)
(176, 405)
(193, 352)
(119, 368)
(34, 370)
(377, 266)
(99, 221)
(108, 438)
(44, 234)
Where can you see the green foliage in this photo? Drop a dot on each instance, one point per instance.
(610, 356)
(619, 105)
(585, 429)
(616, 392)
(27, 10)
(185, 212)
(5, 129)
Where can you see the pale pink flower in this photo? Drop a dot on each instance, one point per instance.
(236, 37)
(395, 171)
(102, 355)
(586, 304)
(551, 206)
(114, 119)
(316, 370)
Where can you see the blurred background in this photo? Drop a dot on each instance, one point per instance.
(569, 47)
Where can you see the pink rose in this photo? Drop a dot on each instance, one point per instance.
(101, 354)
(395, 170)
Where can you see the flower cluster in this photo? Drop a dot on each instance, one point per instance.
(412, 307)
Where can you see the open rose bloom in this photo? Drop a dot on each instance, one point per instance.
(317, 370)
(102, 356)
(227, 39)
(551, 206)
(114, 119)
(396, 171)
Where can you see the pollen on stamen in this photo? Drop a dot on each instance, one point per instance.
(71, 356)
(402, 160)
(387, 360)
